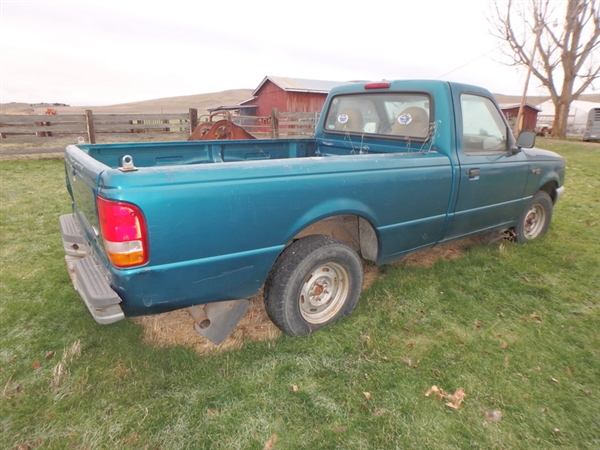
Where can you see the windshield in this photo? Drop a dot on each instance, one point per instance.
(403, 115)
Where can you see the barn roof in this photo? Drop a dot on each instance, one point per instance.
(301, 84)
(504, 106)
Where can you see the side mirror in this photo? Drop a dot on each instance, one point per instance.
(526, 139)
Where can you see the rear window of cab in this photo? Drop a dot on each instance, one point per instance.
(394, 115)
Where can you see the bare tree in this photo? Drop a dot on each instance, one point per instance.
(553, 45)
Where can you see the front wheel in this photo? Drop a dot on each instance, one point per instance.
(535, 219)
(314, 282)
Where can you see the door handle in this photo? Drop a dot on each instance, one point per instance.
(473, 173)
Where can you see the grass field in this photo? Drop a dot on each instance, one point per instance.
(516, 327)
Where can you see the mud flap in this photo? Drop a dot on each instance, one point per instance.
(215, 321)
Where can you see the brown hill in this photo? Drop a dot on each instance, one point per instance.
(167, 105)
(202, 102)
(16, 108)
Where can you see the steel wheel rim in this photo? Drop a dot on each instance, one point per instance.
(324, 292)
(534, 221)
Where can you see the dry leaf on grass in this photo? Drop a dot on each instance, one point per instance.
(61, 369)
(437, 392)
(454, 400)
(270, 443)
(409, 362)
(379, 412)
(493, 416)
(29, 445)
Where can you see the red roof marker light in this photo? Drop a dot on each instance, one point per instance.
(378, 85)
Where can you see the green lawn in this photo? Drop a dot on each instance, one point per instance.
(516, 326)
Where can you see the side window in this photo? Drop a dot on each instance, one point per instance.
(484, 130)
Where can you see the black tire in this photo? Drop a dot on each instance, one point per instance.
(535, 219)
(313, 283)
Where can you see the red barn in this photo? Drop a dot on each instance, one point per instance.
(530, 114)
(289, 95)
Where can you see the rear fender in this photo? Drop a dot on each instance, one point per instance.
(351, 229)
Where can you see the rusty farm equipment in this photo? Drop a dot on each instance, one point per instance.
(220, 129)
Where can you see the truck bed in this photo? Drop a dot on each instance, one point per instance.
(148, 154)
(215, 230)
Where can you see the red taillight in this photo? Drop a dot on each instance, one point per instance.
(124, 232)
(378, 85)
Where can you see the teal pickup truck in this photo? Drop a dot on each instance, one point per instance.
(394, 167)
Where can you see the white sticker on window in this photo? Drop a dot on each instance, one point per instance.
(342, 118)
(404, 119)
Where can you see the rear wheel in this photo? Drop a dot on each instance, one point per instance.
(535, 219)
(314, 282)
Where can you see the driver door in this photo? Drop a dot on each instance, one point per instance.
(492, 179)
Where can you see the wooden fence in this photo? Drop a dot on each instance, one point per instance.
(93, 128)
(279, 125)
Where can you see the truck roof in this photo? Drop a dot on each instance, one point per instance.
(412, 85)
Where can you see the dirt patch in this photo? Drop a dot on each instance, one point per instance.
(177, 327)
(428, 257)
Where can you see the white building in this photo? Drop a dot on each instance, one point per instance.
(578, 114)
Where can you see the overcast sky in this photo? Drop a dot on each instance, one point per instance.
(92, 53)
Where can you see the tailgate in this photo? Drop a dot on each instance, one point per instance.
(82, 173)
(80, 233)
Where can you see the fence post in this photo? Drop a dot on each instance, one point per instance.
(41, 133)
(275, 123)
(89, 121)
(193, 119)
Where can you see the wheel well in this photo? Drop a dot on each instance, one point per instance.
(550, 189)
(351, 229)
